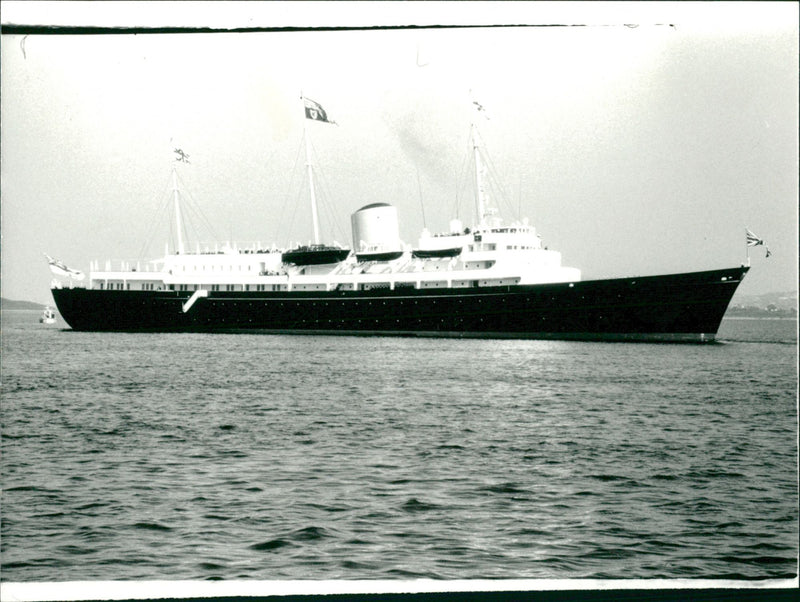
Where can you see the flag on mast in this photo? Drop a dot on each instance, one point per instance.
(754, 241)
(315, 111)
(182, 156)
(479, 108)
(59, 269)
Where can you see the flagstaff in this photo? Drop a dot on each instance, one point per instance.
(752, 240)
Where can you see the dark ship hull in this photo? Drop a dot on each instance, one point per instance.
(680, 307)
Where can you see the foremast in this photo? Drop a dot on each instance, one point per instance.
(177, 201)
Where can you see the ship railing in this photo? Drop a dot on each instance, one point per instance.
(228, 248)
(56, 283)
(125, 265)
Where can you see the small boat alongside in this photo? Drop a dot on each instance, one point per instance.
(48, 316)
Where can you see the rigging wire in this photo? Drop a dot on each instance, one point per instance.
(462, 182)
(194, 209)
(163, 207)
(293, 176)
(333, 225)
(495, 181)
(421, 203)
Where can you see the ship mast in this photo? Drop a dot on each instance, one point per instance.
(481, 204)
(177, 200)
(480, 195)
(310, 168)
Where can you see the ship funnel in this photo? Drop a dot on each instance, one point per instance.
(375, 228)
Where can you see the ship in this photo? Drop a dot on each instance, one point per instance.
(489, 280)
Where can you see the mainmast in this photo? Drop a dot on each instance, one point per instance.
(310, 168)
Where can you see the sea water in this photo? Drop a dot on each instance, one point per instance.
(195, 456)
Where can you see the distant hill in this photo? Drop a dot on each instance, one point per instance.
(787, 300)
(12, 304)
(768, 305)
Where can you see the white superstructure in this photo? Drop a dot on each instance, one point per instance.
(490, 256)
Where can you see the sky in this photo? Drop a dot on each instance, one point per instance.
(643, 143)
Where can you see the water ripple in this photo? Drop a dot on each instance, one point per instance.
(243, 457)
